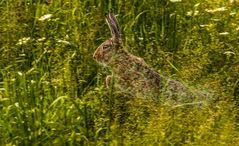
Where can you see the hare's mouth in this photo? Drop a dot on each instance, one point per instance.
(100, 59)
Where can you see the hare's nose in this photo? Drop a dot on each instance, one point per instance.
(94, 55)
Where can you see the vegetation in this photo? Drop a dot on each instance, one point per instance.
(52, 92)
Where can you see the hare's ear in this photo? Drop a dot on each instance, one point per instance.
(113, 25)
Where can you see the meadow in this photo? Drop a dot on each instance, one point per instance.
(52, 91)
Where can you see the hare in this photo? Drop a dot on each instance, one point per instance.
(131, 74)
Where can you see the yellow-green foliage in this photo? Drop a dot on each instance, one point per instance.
(52, 92)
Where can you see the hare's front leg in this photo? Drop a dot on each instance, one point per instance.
(112, 81)
(108, 81)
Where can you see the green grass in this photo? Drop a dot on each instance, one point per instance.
(52, 92)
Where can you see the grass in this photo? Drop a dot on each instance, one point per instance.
(52, 92)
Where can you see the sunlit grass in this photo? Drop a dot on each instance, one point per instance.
(52, 92)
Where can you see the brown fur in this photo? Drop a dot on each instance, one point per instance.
(131, 74)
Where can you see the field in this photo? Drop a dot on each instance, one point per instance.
(52, 91)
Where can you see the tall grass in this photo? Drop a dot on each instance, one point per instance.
(52, 92)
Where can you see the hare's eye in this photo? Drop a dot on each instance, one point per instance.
(106, 47)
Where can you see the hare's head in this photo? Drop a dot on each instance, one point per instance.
(110, 47)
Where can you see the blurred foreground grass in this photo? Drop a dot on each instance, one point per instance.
(52, 91)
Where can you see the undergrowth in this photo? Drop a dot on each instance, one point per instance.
(52, 92)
